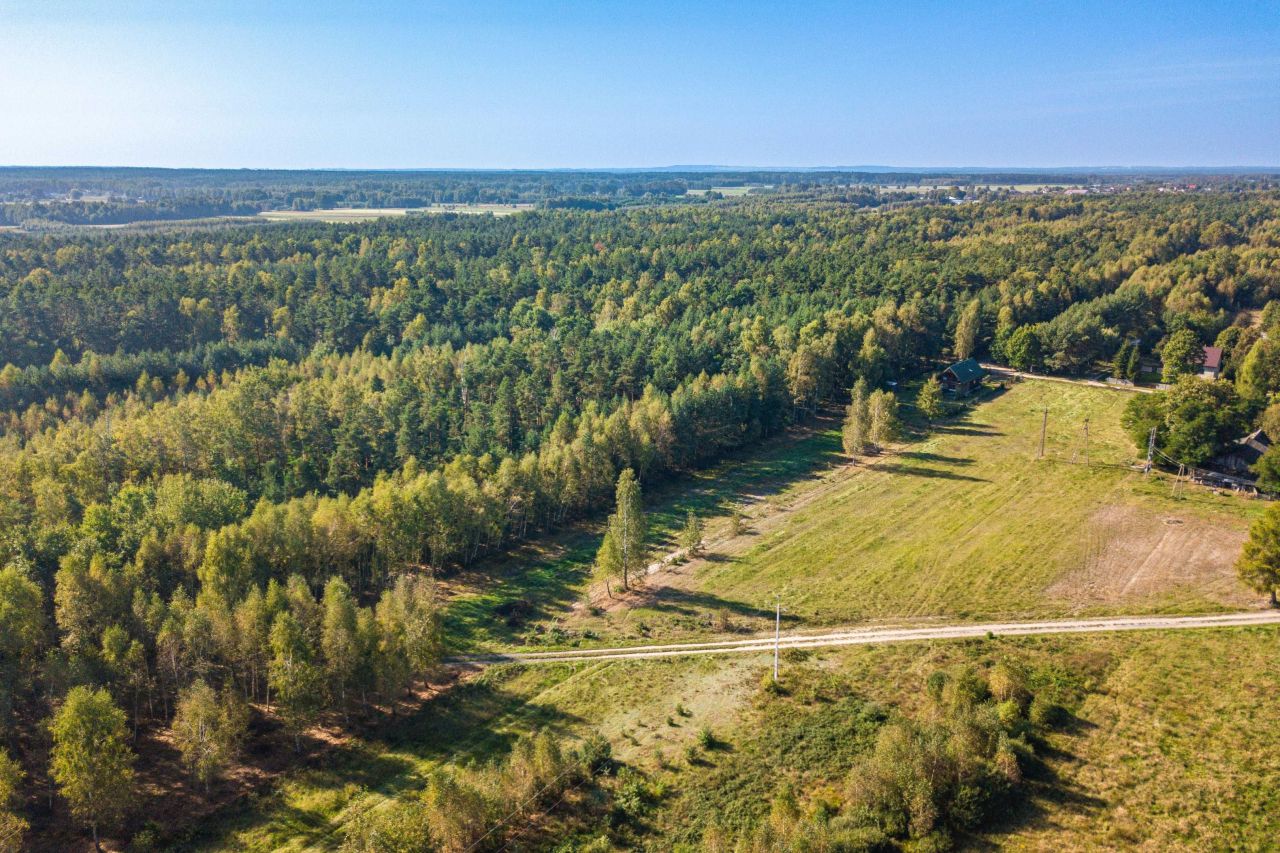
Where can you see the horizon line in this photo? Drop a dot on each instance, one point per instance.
(705, 168)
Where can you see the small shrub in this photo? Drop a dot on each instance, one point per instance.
(737, 524)
(1009, 683)
(596, 755)
(769, 686)
(682, 710)
(632, 795)
(1045, 712)
(146, 839)
(706, 738)
(1010, 714)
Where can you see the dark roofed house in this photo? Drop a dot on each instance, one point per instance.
(1243, 454)
(1212, 366)
(963, 377)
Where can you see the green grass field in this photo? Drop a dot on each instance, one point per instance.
(969, 523)
(1175, 734)
(966, 522)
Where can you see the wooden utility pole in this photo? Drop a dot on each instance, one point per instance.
(1044, 426)
(777, 638)
(1086, 441)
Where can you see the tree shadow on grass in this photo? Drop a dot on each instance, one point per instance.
(689, 603)
(932, 473)
(960, 429)
(925, 456)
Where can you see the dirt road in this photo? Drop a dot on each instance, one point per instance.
(900, 634)
(998, 370)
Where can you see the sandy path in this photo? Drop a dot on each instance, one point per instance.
(868, 636)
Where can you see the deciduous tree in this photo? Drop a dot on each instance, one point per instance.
(628, 527)
(882, 416)
(208, 730)
(13, 826)
(855, 433)
(91, 760)
(967, 329)
(1182, 354)
(1259, 563)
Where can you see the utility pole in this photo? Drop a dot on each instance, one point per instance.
(1086, 441)
(1151, 450)
(1044, 425)
(777, 638)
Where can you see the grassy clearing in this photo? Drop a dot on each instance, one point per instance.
(555, 576)
(963, 523)
(966, 523)
(1168, 748)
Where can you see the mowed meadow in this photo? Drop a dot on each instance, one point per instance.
(963, 521)
(969, 523)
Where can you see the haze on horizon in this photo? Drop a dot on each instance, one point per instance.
(612, 84)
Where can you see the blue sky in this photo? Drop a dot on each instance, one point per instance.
(593, 84)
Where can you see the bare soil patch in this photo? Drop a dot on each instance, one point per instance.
(1133, 553)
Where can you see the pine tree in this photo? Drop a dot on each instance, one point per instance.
(1133, 368)
(91, 760)
(929, 400)
(856, 425)
(1120, 364)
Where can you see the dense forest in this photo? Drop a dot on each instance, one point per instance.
(233, 460)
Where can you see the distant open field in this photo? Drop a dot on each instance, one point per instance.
(361, 214)
(730, 192)
(1021, 188)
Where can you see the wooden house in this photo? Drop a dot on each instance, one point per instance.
(963, 377)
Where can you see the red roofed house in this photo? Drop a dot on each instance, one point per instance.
(1212, 367)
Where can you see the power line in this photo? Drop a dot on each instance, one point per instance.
(519, 809)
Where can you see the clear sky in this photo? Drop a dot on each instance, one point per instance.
(488, 83)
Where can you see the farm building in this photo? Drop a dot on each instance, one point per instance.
(1212, 366)
(1243, 454)
(963, 377)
